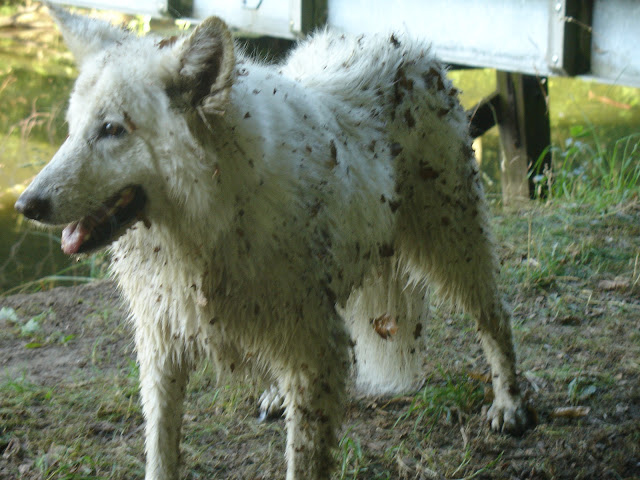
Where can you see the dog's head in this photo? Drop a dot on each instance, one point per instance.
(127, 124)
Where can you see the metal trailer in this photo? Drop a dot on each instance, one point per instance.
(526, 41)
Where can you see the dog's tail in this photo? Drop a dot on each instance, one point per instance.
(385, 318)
(355, 68)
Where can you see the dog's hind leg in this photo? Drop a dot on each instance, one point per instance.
(163, 381)
(312, 377)
(444, 237)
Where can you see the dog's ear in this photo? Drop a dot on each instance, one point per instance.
(207, 63)
(83, 35)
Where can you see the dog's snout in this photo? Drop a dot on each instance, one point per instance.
(34, 207)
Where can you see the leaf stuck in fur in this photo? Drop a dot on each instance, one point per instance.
(385, 325)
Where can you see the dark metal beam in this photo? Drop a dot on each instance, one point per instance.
(570, 29)
(484, 115)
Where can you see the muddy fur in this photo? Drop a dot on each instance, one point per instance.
(295, 216)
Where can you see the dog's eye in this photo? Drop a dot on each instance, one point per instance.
(111, 129)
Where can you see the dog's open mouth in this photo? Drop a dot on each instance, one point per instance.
(106, 224)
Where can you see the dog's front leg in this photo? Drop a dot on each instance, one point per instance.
(314, 387)
(163, 381)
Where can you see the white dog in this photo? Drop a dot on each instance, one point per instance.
(275, 216)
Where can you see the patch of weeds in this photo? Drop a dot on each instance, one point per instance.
(539, 258)
(10, 318)
(351, 456)
(106, 349)
(590, 171)
(56, 463)
(9, 315)
(85, 433)
(580, 389)
(101, 351)
(133, 370)
(222, 399)
(86, 270)
(453, 396)
(487, 469)
(32, 330)
(560, 242)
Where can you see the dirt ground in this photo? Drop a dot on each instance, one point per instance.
(586, 360)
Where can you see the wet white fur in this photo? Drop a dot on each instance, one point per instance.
(287, 212)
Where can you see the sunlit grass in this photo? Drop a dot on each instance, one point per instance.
(593, 172)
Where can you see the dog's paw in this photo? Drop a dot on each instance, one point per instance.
(270, 404)
(510, 414)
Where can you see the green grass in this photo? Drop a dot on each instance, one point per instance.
(592, 172)
(65, 429)
(81, 415)
(30, 331)
(451, 397)
(351, 457)
(447, 399)
(565, 239)
(88, 269)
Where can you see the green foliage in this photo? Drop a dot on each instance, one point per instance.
(352, 458)
(592, 171)
(580, 389)
(140, 24)
(85, 416)
(8, 314)
(454, 395)
(31, 330)
(86, 270)
(9, 7)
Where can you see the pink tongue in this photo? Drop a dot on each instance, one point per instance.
(72, 237)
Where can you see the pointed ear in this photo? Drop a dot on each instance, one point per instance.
(207, 62)
(83, 35)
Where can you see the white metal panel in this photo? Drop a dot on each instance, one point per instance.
(278, 18)
(615, 54)
(505, 34)
(510, 35)
(155, 8)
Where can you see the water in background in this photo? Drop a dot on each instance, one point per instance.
(36, 75)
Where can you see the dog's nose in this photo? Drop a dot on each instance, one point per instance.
(34, 207)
